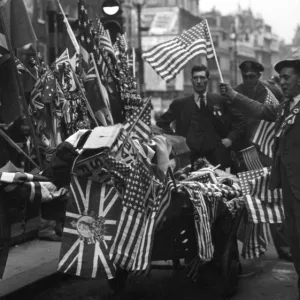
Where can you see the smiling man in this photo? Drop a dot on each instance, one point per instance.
(205, 120)
(285, 172)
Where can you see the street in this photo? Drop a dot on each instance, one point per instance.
(275, 280)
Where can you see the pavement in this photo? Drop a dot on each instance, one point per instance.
(28, 263)
(31, 274)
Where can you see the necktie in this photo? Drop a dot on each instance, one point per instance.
(201, 101)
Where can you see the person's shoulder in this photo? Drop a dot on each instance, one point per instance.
(182, 99)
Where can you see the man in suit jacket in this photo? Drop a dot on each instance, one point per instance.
(285, 172)
(205, 120)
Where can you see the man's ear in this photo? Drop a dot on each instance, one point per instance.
(259, 75)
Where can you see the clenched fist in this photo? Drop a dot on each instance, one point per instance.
(227, 91)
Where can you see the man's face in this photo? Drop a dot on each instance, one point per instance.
(199, 81)
(289, 82)
(250, 79)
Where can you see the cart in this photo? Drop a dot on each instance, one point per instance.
(175, 240)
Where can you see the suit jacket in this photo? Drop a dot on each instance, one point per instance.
(286, 149)
(181, 110)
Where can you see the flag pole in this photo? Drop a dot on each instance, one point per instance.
(19, 87)
(214, 51)
(107, 104)
(15, 146)
(69, 29)
(133, 62)
(83, 95)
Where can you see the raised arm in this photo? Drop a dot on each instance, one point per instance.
(247, 106)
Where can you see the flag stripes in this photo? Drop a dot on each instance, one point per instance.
(91, 223)
(251, 158)
(168, 58)
(265, 131)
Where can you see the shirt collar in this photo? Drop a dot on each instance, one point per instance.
(196, 96)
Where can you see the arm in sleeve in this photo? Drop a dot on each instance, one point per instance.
(166, 119)
(254, 109)
(238, 124)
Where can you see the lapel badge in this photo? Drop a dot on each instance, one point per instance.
(296, 111)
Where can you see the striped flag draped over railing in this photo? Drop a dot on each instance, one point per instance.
(170, 57)
(264, 134)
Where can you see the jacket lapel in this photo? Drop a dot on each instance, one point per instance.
(188, 112)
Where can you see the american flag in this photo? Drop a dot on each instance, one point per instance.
(264, 205)
(132, 223)
(265, 132)
(202, 223)
(251, 158)
(246, 177)
(90, 226)
(256, 239)
(103, 40)
(139, 121)
(158, 201)
(168, 58)
(86, 38)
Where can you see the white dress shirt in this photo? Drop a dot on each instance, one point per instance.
(197, 98)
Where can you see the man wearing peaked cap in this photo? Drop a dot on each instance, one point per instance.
(253, 88)
(285, 172)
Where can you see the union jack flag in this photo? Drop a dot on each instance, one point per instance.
(91, 222)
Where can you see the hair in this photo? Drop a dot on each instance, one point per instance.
(199, 68)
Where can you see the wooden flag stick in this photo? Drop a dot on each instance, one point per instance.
(214, 51)
(15, 146)
(69, 29)
(19, 87)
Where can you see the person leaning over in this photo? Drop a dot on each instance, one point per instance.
(285, 172)
(205, 120)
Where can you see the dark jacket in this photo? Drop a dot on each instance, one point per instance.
(181, 111)
(286, 149)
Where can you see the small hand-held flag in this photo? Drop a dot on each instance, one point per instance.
(265, 131)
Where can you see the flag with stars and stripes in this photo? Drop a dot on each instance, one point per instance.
(103, 40)
(139, 121)
(265, 131)
(91, 222)
(170, 57)
(86, 37)
(158, 202)
(132, 222)
(264, 205)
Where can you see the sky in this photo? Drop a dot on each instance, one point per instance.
(283, 16)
